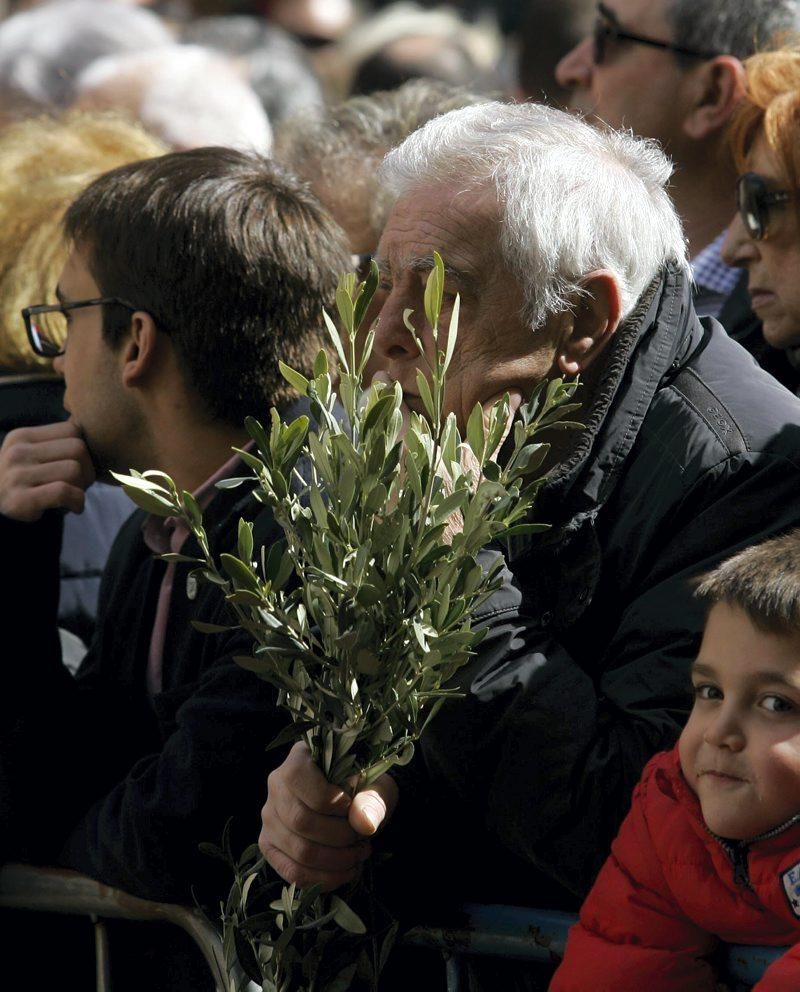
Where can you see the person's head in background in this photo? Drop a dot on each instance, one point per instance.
(404, 41)
(672, 70)
(217, 264)
(188, 96)
(44, 49)
(764, 236)
(338, 153)
(546, 32)
(45, 162)
(740, 749)
(275, 65)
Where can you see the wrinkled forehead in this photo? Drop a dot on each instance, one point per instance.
(463, 225)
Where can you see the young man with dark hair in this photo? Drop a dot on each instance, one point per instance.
(190, 275)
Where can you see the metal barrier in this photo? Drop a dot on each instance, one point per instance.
(540, 935)
(513, 932)
(55, 890)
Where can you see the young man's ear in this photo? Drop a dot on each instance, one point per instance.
(139, 348)
(714, 89)
(591, 327)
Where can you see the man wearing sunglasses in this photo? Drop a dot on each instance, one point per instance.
(671, 70)
(190, 274)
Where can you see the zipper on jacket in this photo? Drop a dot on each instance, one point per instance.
(739, 850)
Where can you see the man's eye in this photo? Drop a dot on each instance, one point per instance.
(777, 704)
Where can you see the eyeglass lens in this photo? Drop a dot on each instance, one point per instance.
(49, 331)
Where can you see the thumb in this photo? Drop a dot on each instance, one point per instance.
(372, 807)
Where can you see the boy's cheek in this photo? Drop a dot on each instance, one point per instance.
(687, 751)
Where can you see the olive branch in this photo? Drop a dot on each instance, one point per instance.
(361, 614)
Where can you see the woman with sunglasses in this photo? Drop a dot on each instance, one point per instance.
(764, 237)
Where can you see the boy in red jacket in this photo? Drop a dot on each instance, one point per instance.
(710, 850)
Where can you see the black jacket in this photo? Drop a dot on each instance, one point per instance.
(29, 400)
(690, 452)
(97, 776)
(743, 325)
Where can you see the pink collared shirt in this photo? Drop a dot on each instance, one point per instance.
(163, 534)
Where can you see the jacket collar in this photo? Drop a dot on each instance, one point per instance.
(655, 339)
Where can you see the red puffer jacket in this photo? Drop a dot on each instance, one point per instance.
(670, 889)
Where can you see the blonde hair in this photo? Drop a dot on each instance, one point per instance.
(45, 162)
(771, 106)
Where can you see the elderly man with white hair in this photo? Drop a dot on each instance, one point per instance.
(569, 259)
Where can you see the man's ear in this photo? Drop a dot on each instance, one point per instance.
(715, 88)
(138, 349)
(592, 325)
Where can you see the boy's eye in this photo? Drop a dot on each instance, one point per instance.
(706, 691)
(777, 704)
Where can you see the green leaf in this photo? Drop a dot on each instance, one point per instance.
(345, 917)
(242, 575)
(367, 292)
(452, 332)
(344, 305)
(425, 392)
(321, 364)
(475, 434)
(434, 290)
(210, 628)
(294, 378)
(291, 734)
(336, 340)
(150, 502)
(245, 543)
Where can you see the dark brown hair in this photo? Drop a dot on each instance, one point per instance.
(763, 581)
(232, 258)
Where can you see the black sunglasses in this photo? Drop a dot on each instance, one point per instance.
(46, 323)
(754, 201)
(607, 29)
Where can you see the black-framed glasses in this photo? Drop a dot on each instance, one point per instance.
(46, 323)
(754, 201)
(608, 29)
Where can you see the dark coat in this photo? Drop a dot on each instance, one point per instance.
(97, 776)
(35, 399)
(690, 452)
(743, 325)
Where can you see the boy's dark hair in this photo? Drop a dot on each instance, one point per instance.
(763, 581)
(232, 258)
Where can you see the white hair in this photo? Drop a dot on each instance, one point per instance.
(186, 95)
(43, 50)
(573, 198)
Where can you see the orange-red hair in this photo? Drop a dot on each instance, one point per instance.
(771, 106)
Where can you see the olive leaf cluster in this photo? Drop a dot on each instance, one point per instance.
(362, 614)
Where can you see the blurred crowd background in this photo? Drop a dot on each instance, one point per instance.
(196, 72)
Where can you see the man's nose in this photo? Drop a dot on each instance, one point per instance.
(575, 68)
(58, 365)
(393, 340)
(738, 248)
(725, 730)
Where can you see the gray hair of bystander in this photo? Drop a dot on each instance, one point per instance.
(186, 95)
(43, 50)
(574, 199)
(731, 27)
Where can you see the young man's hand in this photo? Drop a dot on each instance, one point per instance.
(44, 468)
(313, 833)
